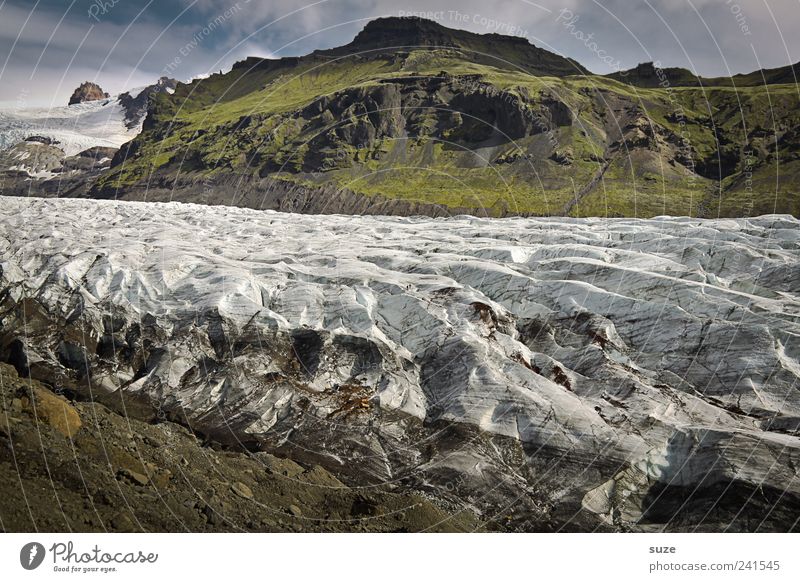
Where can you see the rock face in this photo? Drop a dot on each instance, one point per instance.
(32, 168)
(87, 91)
(563, 373)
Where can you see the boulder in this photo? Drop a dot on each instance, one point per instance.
(52, 409)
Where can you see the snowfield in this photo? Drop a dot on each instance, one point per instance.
(524, 365)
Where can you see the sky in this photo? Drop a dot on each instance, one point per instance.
(48, 47)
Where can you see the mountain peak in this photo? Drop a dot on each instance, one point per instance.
(414, 31)
(411, 30)
(396, 34)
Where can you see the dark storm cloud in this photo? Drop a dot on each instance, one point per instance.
(49, 47)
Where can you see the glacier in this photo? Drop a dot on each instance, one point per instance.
(73, 128)
(558, 372)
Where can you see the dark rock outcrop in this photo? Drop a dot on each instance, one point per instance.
(87, 91)
(42, 139)
(55, 175)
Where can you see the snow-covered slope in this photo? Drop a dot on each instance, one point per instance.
(557, 370)
(74, 127)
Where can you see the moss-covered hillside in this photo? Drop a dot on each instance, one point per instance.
(465, 122)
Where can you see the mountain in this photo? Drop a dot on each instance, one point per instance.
(412, 117)
(415, 118)
(545, 373)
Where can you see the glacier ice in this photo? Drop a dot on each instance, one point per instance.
(521, 362)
